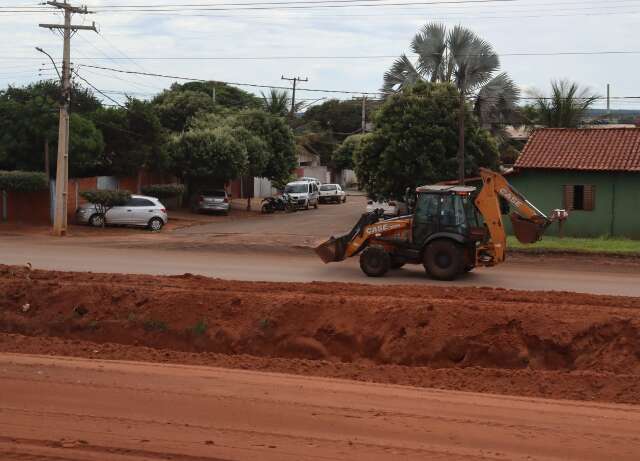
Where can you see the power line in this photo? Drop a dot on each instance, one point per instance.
(253, 85)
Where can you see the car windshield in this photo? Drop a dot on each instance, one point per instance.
(296, 188)
(213, 193)
(328, 187)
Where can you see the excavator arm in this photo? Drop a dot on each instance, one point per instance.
(528, 222)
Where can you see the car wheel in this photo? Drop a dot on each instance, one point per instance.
(443, 259)
(155, 224)
(97, 220)
(375, 262)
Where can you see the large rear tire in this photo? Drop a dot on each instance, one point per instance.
(444, 259)
(375, 262)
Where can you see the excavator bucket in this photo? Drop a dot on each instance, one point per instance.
(526, 231)
(333, 250)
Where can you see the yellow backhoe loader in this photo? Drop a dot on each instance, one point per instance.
(452, 230)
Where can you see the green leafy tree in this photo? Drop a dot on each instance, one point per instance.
(342, 118)
(268, 140)
(29, 121)
(414, 142)
(460, 57)
(175, 108)
(278, 138)
(344, 155)
(208, 155)
(226, 96)
(134, 138)
(565, 107)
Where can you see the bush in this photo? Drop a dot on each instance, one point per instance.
(23, 181)
(106, 198)
(161, 191)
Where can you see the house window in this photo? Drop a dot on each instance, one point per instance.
(579, 197)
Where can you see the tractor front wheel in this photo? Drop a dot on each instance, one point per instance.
(444, 259)
(375, 262)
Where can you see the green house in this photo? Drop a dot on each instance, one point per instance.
(594, 173)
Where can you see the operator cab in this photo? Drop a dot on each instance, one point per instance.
(446, 211)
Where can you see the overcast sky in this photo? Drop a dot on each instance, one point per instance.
(517, 26)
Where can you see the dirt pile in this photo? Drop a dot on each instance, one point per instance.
(409, 326)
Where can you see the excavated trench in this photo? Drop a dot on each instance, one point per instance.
(412, 326)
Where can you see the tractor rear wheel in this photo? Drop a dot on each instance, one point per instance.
(444, 259)
(375, 262)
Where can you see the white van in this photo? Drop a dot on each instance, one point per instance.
(305, 192)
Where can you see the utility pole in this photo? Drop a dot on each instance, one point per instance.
(62, 167)
(295, 80)
(608, 99)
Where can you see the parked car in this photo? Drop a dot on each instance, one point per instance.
(140, 210)
(305, 192)
(332, 193)
(212, 200)
(390, 208)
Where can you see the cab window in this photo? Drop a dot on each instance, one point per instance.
(427, 208)
(453, 213)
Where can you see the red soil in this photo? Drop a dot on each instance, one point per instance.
(561, 345)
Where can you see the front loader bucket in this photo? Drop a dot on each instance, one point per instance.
(526, 231)
(333, 250)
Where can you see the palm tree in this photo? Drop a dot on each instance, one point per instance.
(567, 105)
(276, 102)
(460, 57)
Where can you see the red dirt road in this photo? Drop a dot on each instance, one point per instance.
(77, 409)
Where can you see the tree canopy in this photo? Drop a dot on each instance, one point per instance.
(415, 141)
(208, 154)
(344, 155)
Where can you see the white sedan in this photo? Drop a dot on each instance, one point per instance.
(140, 211)
(332, 193)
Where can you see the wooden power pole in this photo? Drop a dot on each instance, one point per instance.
(62, 167)
(295, 80)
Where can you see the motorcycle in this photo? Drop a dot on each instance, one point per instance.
(279, 203)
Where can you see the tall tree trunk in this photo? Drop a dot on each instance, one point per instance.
(461, 140)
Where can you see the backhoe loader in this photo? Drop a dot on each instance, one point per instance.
(452, 230)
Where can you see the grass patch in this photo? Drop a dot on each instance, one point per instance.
(199, 328)
(584, 245)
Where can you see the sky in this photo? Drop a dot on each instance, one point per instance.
(151, 41)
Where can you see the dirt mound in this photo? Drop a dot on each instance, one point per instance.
(410, 326)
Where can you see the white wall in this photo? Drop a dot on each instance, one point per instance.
(318, 172)
(262, 188)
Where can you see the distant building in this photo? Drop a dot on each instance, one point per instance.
(594, 173)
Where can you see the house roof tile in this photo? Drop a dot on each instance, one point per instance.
(591, 149)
